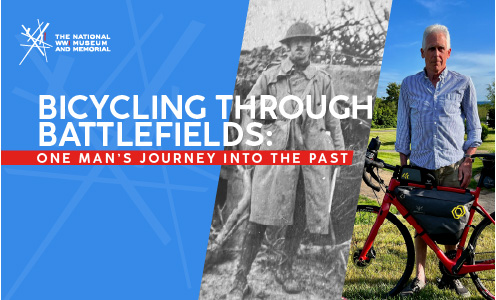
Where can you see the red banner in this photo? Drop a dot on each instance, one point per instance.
(185, 157)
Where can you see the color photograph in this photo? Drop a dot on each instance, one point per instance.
(434, 109)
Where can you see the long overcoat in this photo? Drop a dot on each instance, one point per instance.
(274, 186)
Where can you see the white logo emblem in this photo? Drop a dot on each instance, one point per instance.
(37, 39)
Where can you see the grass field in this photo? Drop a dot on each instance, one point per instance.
(379, 277)
(374, 280)
(388, 138)
(488, 144)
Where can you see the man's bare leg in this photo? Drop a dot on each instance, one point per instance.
(420, 257)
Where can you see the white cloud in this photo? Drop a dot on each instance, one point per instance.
(407, 45)
(438, 6)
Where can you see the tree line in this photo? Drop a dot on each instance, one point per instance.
(385, 109)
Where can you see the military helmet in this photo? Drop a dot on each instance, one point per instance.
(300, 29)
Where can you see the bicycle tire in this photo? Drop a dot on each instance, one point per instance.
(483, 236)
(394, 260)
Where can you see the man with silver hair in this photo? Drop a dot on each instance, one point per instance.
(432, 109)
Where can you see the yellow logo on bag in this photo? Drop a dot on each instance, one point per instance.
(404, 175)
(458, 212)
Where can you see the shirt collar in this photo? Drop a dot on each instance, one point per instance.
(442, 76)
(287, 66)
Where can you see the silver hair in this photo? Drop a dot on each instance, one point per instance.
(434, 29)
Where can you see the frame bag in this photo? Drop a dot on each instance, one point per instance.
(443, 215)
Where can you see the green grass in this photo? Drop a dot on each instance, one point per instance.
(476, 169)
(392, 158)
(371, 282)
(488, 144)
(388, 128)
(387, 138)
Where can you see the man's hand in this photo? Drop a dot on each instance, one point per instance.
(403, 159)
(465, 172)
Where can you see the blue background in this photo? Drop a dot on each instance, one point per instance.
(111, 232)
(471, 26)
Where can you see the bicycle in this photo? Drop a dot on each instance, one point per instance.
(381, 243)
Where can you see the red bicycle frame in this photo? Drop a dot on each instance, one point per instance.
(389, 199)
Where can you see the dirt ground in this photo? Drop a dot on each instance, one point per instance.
(319, 268)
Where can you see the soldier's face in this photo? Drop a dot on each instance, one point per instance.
(299, 48)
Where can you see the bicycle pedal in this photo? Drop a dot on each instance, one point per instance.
(468, 252)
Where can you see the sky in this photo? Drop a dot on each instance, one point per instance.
(471, 26)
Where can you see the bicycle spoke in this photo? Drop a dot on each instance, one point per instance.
(483, 239)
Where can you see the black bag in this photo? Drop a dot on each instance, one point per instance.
(443, 215)
(418, 175)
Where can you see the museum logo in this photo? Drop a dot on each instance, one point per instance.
(82, 42)
(63, 42)
(36, 39)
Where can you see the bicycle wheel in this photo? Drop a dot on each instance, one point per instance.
(482, 240)
(391, 259)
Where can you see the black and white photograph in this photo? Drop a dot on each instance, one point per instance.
(283, 231)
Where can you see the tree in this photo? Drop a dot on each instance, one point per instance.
(490, 112)
(393, 92)
(384, 115)
(490, 93)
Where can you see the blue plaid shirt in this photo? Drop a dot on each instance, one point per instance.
(431, 119)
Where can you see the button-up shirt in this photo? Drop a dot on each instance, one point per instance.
(431, 119)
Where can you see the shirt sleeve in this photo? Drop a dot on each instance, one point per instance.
(469, 107)
(403, 134)
(333, 125)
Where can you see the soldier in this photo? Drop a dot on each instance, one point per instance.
(295, 196)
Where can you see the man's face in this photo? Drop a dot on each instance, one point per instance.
(300, 49)
(436, 53)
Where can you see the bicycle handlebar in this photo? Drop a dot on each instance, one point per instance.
(374, 163)
(368, 182)
(380, 164)
(483, 155)
(369, 168)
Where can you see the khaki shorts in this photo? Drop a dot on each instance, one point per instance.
(448, 176)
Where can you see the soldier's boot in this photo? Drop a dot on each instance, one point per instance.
(240, 287)
(284, 275)
(251, 245)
